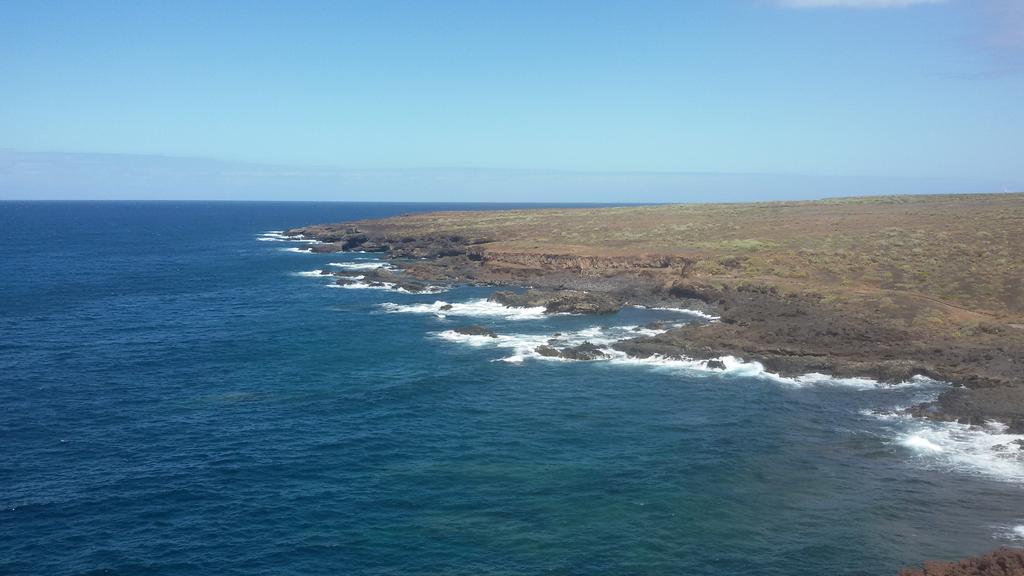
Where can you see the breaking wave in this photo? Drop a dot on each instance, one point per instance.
(523, 347)
(358, 284)
(987, 449)
(481, 307)
(373, 265)
(688, 311)
(279, 236)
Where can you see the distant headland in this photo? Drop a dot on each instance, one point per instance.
(888, 288)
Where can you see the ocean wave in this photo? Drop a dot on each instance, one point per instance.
(279, 236)
(481, 307)
(388, 286)
(309, 274)
(687, 311)
(297, 250)
(1014, 534)
(524, 347)
(373, 265)
(738, 367)
(987, 449)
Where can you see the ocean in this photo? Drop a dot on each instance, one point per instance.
(181, 394)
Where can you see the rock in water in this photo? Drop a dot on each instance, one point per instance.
(572, 302)
(475, 330)
(548, 351)
(560, 301)
(585, 351)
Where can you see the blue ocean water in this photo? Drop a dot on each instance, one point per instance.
(176, 399)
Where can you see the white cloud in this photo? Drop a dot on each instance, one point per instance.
(854, 3)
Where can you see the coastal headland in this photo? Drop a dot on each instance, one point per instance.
(882, 287)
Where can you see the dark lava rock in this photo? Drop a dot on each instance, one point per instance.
(445, 307)
(1002, 562)
(475, 330)
(582, 303)
(654, 326)
(976, 406)
(560, 301)
(411, 286)
(380, 277)
(324, 248)
(549, 351)
(585, 351)
(715, 364)
(527, 299)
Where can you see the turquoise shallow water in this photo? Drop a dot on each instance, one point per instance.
(175, 399)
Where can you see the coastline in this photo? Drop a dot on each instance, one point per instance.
(797, 334)
(793, 325)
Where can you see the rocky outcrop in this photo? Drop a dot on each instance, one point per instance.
(377, 277)
(1002, 562)
(976, 406)
(585, 351)
(475, 330)
(563, 301)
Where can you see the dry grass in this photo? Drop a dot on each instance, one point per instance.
(964, 251)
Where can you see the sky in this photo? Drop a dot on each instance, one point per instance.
(603, 101)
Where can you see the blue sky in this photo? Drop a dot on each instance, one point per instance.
(670, 101)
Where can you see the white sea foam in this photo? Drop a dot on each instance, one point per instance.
(279, 236)
(480, 307)
(733, 366)
(273, 236)
(524, 347)
(297, 250)
(988, 449)
(687, 311)
(361, 265)
(311, 274)
(1018, 532)
(920, 443)
(388, 286)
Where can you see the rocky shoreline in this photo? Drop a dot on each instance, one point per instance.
(818, 320)
(791, 332)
